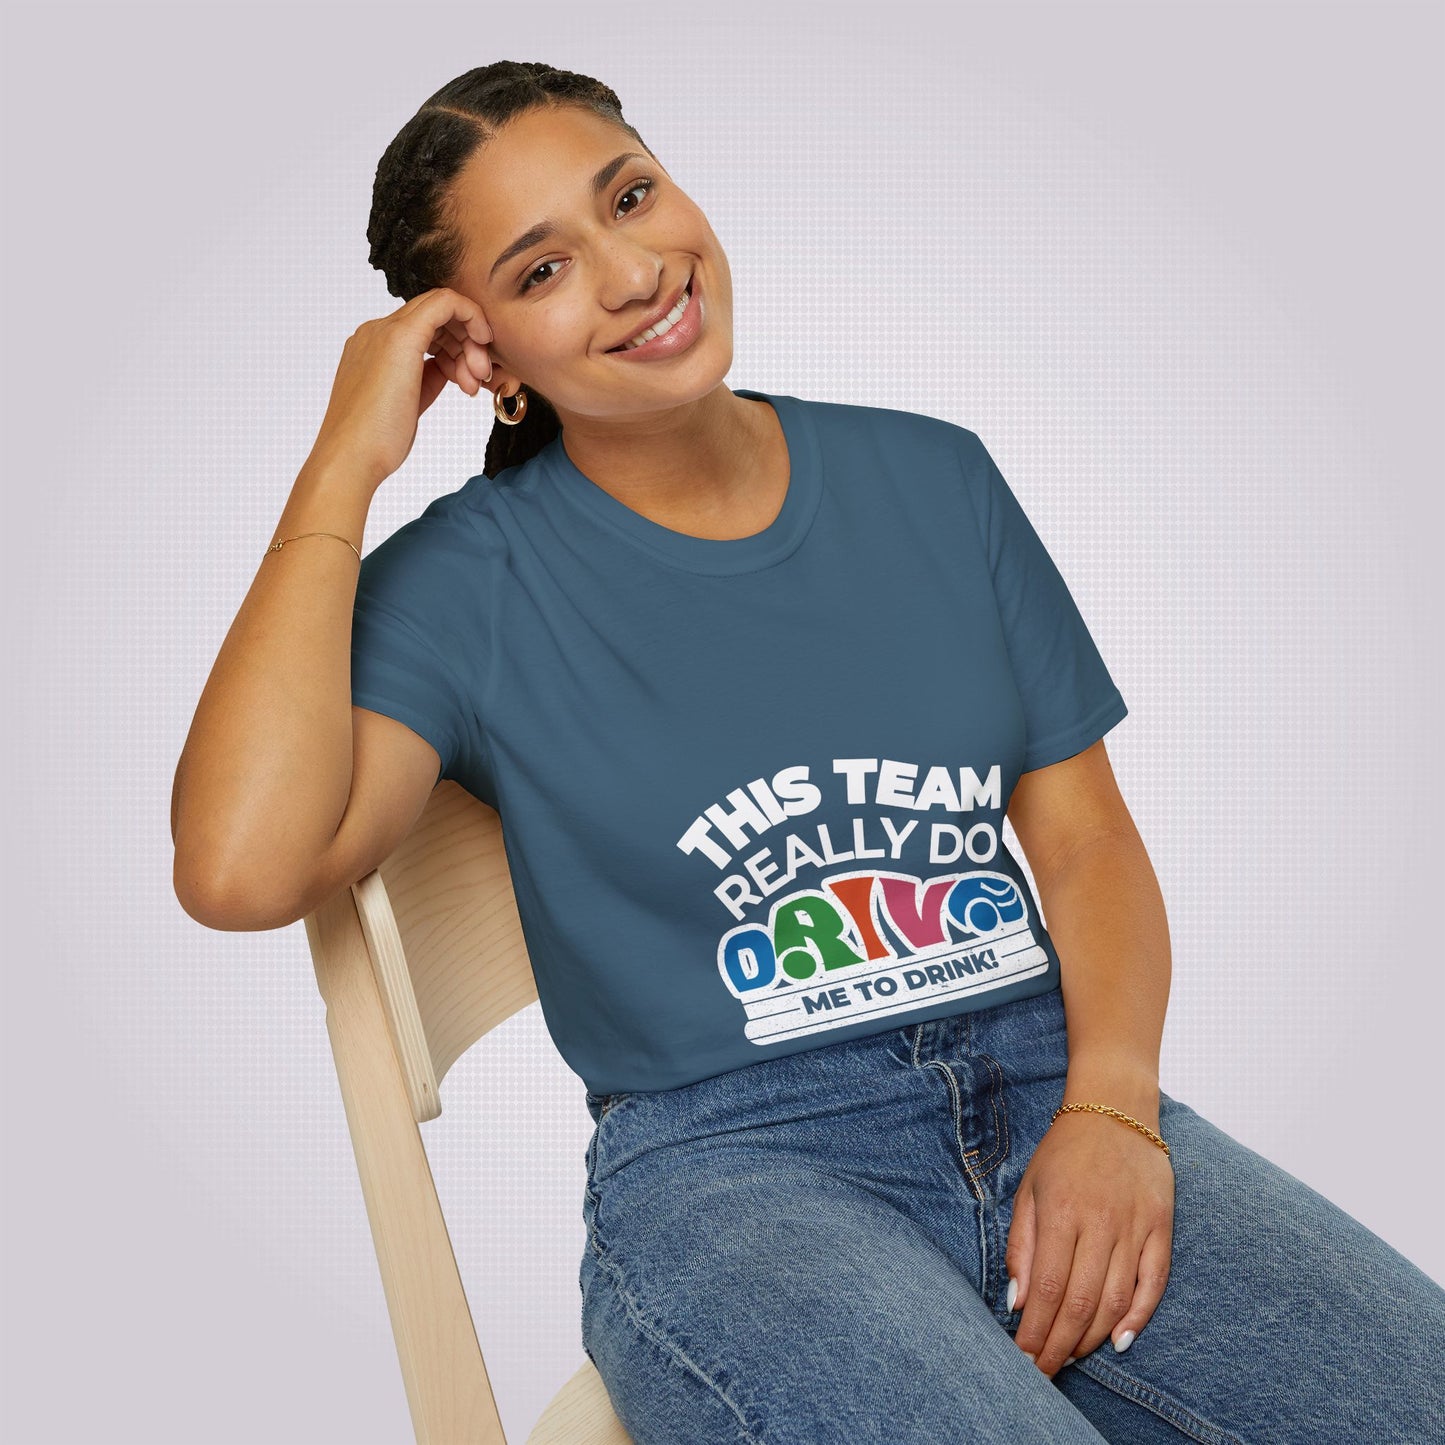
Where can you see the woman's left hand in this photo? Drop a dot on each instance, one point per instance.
(1090, 1240)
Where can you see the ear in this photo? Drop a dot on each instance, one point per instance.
(502, 379)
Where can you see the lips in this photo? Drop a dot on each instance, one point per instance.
(653, 319)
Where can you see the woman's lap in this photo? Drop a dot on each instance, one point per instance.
(811, 1250)
(785, 1306)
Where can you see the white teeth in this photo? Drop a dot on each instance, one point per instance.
(663, 326)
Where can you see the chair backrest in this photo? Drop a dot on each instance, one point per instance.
(416, 962)
(440, 921)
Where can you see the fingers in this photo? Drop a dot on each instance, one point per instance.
(1018, 1253)
(1153, 1275)
(455, 337)
(458, 372)
(477, 360)
(1114, 1299)
(476, 323)
(1068, 1271)
(463, 362)
(459, 332)
(433, 382)
(459, 311)
(1089, 1287)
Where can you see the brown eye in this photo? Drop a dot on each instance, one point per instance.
(539, 276)
(529, 279)
(644, 185)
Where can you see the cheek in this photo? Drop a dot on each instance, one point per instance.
(715, 247)
(722, 278)
(550, 332)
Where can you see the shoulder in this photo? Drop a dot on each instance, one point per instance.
(899, 430)
(450, 533)
(926, 455)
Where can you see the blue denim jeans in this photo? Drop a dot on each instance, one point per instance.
(811, 1249)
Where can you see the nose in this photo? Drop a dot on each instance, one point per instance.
(631, 273)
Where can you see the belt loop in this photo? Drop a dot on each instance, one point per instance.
(928, 1039)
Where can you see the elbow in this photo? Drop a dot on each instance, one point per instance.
(230, 906)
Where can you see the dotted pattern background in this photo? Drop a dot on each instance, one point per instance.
(1176, 265)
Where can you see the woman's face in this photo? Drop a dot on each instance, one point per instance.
(557, 305)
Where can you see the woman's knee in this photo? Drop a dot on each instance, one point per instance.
(658, 1391)
(1297, 1303)
(1273, 1234)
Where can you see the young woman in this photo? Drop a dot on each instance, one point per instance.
(752, 682)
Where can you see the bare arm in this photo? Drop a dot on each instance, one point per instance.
(264, 812)
(1105, 914)
(265, 774)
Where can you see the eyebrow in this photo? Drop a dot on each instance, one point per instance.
(548, 227)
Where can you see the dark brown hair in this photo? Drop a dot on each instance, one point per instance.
(414, 238)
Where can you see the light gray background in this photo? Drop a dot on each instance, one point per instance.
(1178, 265)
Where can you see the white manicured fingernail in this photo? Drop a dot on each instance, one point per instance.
(1013, 1294)
(1032, 1359)
(1123, 1342)
(1071, 1359)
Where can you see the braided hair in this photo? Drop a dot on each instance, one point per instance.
(415, 241)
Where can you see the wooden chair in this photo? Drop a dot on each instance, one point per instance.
(416, 962)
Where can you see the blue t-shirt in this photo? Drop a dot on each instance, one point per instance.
(752, 791)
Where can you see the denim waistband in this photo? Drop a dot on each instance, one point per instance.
(1022, 1039)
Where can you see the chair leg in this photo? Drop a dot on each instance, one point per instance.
(441, 1361)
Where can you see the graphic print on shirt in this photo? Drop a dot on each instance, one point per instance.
(861, 940)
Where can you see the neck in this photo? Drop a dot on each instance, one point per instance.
(696, 459)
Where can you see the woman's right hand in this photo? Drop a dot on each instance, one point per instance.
(392, 368)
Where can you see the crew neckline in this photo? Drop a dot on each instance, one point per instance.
(717, 556)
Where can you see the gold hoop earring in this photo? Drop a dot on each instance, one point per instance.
(499, 406)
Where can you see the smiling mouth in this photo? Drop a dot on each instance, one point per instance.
(629, 346)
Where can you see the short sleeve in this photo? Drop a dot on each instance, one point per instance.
(1069, 698)
(397, 667)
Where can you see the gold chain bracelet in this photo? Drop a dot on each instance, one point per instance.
(1114, 1114)
(277, 546)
